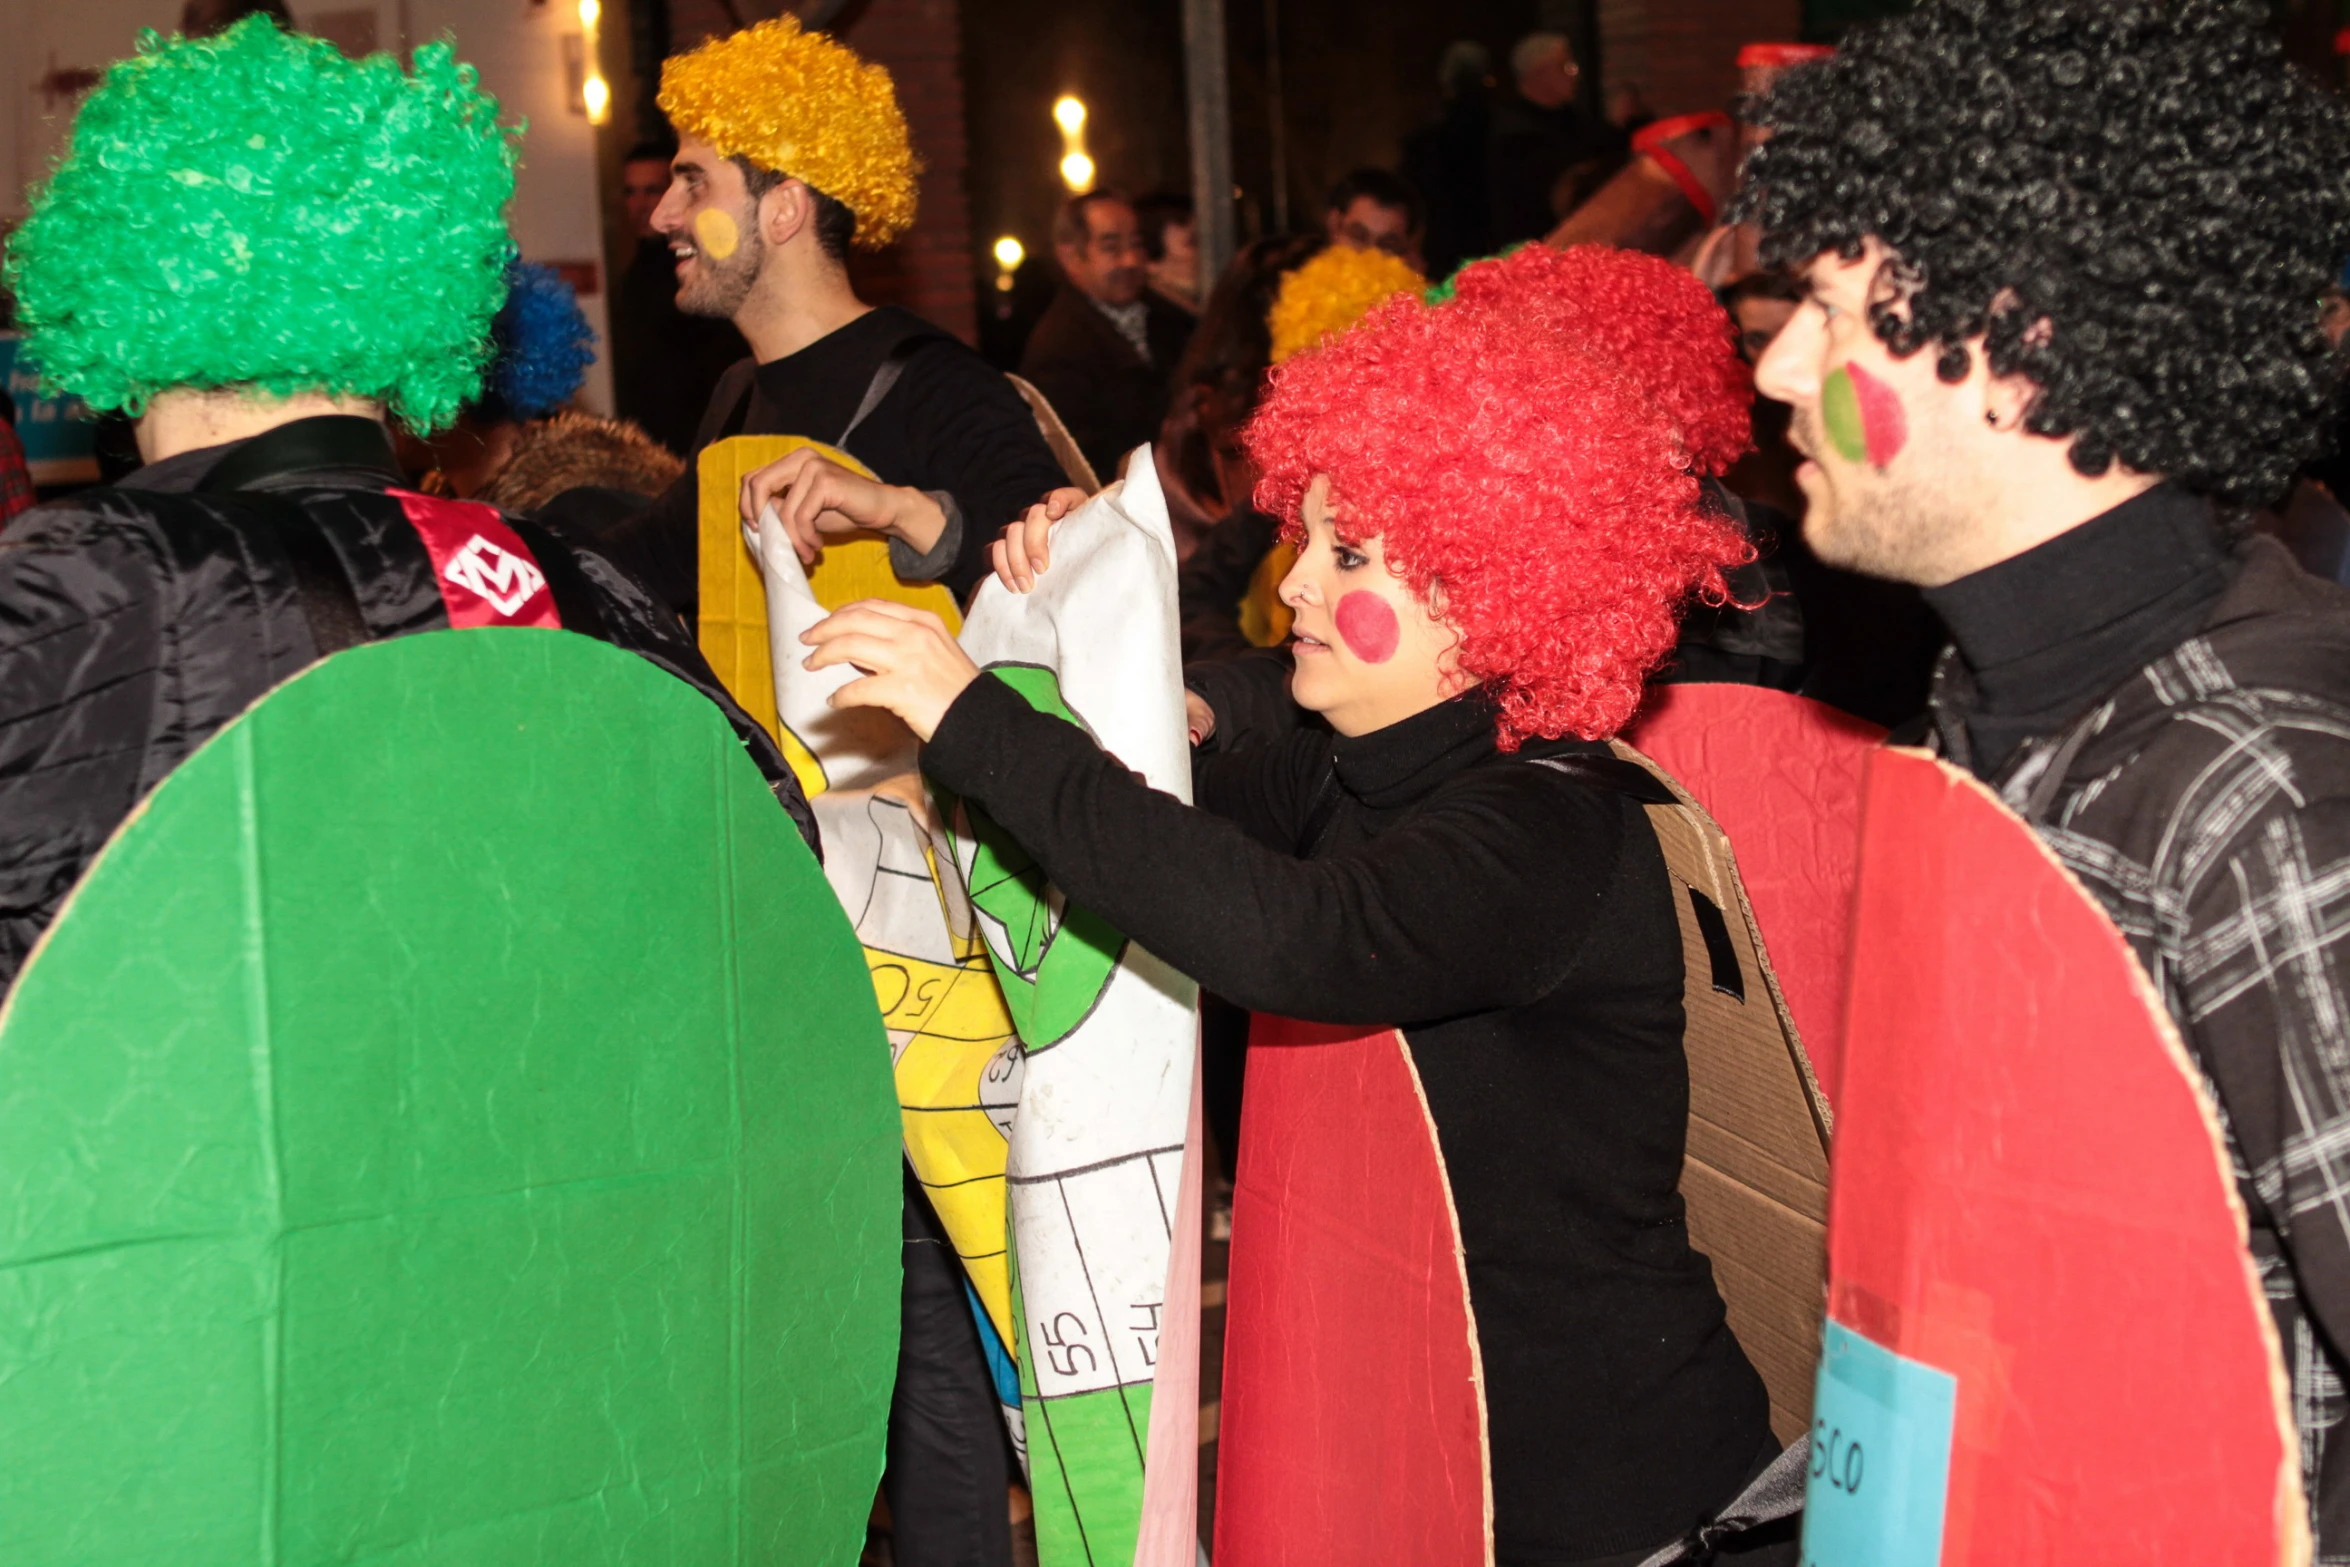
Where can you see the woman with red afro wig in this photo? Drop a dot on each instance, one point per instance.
(1466, 1323)
(1495, 445)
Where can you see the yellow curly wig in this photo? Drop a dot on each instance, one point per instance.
(800, 104)
(1330, 293)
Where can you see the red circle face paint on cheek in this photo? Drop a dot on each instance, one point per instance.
(1367, 624)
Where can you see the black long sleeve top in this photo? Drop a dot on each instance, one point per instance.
(951, 426)
(1517, 925)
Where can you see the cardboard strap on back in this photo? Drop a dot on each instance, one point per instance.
(1755, 1176)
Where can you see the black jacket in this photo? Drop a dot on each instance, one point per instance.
(1518, 925)
(1109, 397)
(136, 621)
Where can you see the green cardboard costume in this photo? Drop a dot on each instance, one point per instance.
(449, 1124)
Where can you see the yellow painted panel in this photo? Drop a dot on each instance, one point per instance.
(734, 598)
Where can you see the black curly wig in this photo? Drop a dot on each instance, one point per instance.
(2148, 178)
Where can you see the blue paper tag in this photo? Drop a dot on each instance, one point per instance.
(1880, 1457)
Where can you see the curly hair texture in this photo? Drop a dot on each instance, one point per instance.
(1331, 293)
(573, 449)
(541, 345)
(256, 209)
(1651, 319)
(805, 106)
(1536, 483)
(2134, 204)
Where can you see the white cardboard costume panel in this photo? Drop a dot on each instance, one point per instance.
(1080, 1136)
(1104, 1144)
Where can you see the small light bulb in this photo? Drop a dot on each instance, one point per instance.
(1069, 114)
(597, 94)
(1009, 253)
(589, 12)
(1077, 172)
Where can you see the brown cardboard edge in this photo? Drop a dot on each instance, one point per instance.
(1823, 1114)
(1460, 1259)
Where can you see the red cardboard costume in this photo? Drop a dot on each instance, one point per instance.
(1378, 1395)
(2046, 1339)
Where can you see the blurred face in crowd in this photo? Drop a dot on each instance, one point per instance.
(713, 228)
(1110, 265)
(1894, 454)
(1369, 654)
(1550, 81)
(642, 184)
(1178, 269)
(1759, 323)
(1367, 225)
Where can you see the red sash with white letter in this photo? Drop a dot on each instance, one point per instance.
(486, 574)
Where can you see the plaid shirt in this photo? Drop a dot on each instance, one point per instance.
(2206, 805)
(16, 481)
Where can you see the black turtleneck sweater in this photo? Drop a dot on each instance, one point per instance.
(1517, 924)
(2042, 636)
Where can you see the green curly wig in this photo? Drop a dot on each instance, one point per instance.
(256, 209)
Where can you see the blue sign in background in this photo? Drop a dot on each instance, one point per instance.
(1880, 1457)
(58, 434)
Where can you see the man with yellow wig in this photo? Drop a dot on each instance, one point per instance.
(791, 150)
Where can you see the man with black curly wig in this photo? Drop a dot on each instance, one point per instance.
(2061, 334)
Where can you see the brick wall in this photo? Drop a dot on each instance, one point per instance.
(1684, 53)
(929, 270)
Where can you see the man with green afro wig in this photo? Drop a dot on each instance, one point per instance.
(256, 210)
(259, 248)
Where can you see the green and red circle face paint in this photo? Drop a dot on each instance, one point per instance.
(1864, 417)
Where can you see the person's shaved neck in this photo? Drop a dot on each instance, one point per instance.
(185, 419)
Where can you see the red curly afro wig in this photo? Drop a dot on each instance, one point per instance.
(1661, 325)
(1535, 481)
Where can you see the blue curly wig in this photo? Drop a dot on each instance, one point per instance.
(540, 346)
(256, 209)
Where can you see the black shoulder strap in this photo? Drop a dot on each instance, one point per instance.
(885, 376)
(733, 394)
(577, 603)
(1612, 772)
(321, 582)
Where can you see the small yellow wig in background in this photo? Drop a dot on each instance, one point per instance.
(1330, 293)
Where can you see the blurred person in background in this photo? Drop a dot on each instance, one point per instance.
(1207, 474)
(1105, 351)
(664, 361)
(1170, 238)
(1539, 137)
(1372, 209)
(1445, 160)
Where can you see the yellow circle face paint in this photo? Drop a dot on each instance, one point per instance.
(715, 232)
